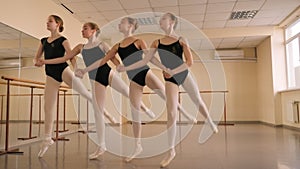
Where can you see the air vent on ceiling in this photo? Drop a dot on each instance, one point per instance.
(147, 21)
(243, 14)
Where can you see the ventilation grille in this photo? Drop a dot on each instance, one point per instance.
(147, 21)
(243, 14)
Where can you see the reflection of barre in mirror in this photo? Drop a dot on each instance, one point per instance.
(170, 49)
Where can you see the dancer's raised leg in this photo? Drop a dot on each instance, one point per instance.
(191, 88)
(157, 86)
(119, 85)
(76, 84)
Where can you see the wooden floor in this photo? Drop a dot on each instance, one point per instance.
(242, 146)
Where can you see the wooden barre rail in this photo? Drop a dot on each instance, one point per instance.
(39, 85)
(29, 81)
(224, 92)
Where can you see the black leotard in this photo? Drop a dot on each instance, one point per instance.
(101, 74)
(53, 50)
(129, 55)
(171, 57)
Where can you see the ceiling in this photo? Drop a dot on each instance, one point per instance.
(204, 14)
(194, 15)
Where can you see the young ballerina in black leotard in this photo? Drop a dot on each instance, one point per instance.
(56, 46)
(130, 50)
(100, 78)
(170, 49)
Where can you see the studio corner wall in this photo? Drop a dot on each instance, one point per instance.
(265, 82)
(271, 72)
(30, 17)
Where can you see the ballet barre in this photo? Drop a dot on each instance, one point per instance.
(21, 83)
(1, 109)
(224, 92)
(87, 130)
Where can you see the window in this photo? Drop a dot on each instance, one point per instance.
(292, 34)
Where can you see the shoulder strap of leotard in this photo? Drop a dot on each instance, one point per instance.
(131, 42)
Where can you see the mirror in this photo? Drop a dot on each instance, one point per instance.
(17, 49)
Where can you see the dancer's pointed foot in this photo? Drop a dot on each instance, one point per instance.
(137, 151)
(150, 113)
(110, 118)
(167, 160)
(99, 151)
(214, 127)
(194, 120)
(44, 146)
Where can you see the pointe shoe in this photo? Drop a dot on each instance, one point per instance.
(138, 150)
(112, 120)
(194, 120)
(165, 162)
(150, 113)
(214, 127)
(44, 147)
(97, 153)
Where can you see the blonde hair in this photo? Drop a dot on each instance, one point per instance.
(94, 26)
(173, 18)
(132, 21)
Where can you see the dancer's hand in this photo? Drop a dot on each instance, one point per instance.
(168, 73)
(121, 68)
(79, 73)
(38, 62)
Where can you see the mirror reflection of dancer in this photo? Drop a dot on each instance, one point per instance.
(130, 50)
(100, 78)
(170, 49)
(55, 46)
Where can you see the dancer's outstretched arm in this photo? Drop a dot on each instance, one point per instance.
(149, 56)
(106, 48)
(109, 56)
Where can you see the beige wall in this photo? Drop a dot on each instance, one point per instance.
(266, 104)
(31, 18)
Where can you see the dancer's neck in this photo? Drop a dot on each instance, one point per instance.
(92, 41)
(127, 34)
(54, 34)
(171, 33)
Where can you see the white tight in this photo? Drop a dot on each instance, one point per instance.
(119, 85)
(135, 96)
(172, 89)
(51, 91)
